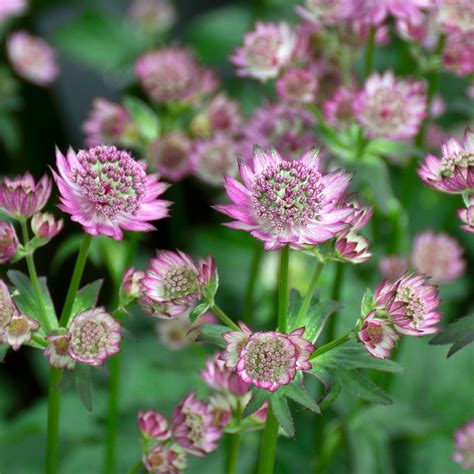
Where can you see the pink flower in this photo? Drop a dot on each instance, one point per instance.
(18, 331)
(339, 110)
(215, 158)
(57, 351)
(458, 55)
(8, 242)
(266, 51)
(392, 267)
(106, 124)
(423, 30)
(193, 427)
(390, 107)
(165, 460)
(94, 336)
(328, 12)
(32, 58)
(173, 75)
(353, 247)
(439, 256)
(132, 283)
(376, 11)
(9, 8)
(21, 197)
(454, 172)
(45, 226)
(464, 440)
(467, 215)
(170, 155)
(287, 202)
(385, 301)
(153, 425)
(7, 307)
(378, 336)
(107, 191)
(155, 15)
(456, 15)
(297, 86)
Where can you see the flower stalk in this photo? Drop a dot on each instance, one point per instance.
(223, 317)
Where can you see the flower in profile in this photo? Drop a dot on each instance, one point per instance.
(156, 16)
(8, 242)
(18, 331)
(378, 336)
(94, 335)
(458, 54)
(385, 302)
(106, 124)
(327, 12)
(173, 75)
(392, 267)
(266, 50)
(297, 86)
(424, 31)
(390, 107)
(464, 441)
(170, 155)
(57, 351)
(193, 426)
(32, 58)
(107, 191)
(353, 247)
(339, 109)
(7, 307)
(456, 15)
(165, 460)
(45, 226)
(287, 202)
(131, 287)
(439, 256)
(153, 425)
(21, 196)
(377, 11)
(467, 215)
(215, 158)
(9, 8)
(454, 171)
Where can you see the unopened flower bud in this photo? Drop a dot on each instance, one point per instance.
(153, 425)
(8, 242)
(45, 226)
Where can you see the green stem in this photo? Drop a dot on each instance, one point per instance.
(369, 53)
(234, 445)
(54, 402)
(335, 296)
(309, 294)
(283, 291)
(331, 345)
(223, 317)
(75, 280)
(252, 281)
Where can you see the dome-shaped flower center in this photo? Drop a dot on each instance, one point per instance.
(180, 281)
(111, 179)
(387, 110)
(88, 338)
(18, 327)
(287, 195)
(263, 51)
(415, 309)
(462, 160)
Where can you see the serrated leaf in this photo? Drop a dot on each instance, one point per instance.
(299, 394)
(362, 387)
(87, 297)
(256, 401)
(213, 333)
(145, 118)
(460, 333)
(282, 413)
(83, 384)
(317, 317)
(197, 311)
(3, 351)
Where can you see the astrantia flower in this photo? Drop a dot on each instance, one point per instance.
(456, 15)
(390, 107)
(193, 427)
(7, 307)
(107, 191)
(424, 31)
(464, 440)
(170, 155)
(156, 16)
(454, 172)
(18, 331)
(353, 247)
(458, 54)
(265, 52)
(57, 351)
(287, 202)
(215, 158)
(165, 460)
(386, 303)
(467, 215)
(376, 11)
(297, 86)
(378, 336)
(45, 226)
(173, 75)
(21, 197)
(339, 110)
(10, 8)
(153, 425)
(8, 242)
(438, 256)
(32, 58)
(94, 336)
(392, 267)
(131, 287)
(327, 12)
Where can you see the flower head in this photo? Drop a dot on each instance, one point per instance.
(467, 215)
(458, 54)
(21, 196)
(173, 75)
(390, 107)
(392, 267)
(18, 331)
(378, 336)
(165, 460)
(32, 58)
(439, 256)
(327, 12)
(94, 336)
(156, 16)
(287, 202)
(464, 441)
(9, 8)
(153, 425)
(456, 15)
(353, 247)
(131, 287)
(339, 110)
(7, 307)
(297, 86)
(454, 171)
(193, 427)
(8, 242)
(45, 226)
(107, 191)
(265, 52)
(57, 351)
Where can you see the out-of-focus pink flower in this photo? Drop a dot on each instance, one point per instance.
(386, 304)
(18, 331)
(154, 15)
(32, 58)
(378, 336)
(265, 52)
(287, 202)
(21, 197)
(215, 158)
(458, 54)
(328, 12)
(454, 171)
(94, 336)
(153, 425)
(339, 110)
(173, 75)
(170, 155)
(45, 226)
(438, 107)
(165, 460)
(392, 267)
(456, 15)
(9, 8)
(193, 426)
(423, 30)
(376, 11)
(297, 86)
(353, 247)
(467, 215)
(435, 136)
(57, 352)
(390, 107)
(107, 191)
(464, 441)
(8, 242)
(362, 28)
(438, 256)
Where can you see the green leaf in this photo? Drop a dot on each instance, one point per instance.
(3, 351)
(459, 333)
(294, 306)
(362, 387)
(317, 317)
(213, 333)
(382, 146)
(145, 118)
(282, 413)
(332, 385)
(83, 384)
(258, 398)
(367, 303)
(197, 311)
(87, 297)
(299, 394)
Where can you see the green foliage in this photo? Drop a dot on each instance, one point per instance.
(198, 311)
(258, 398)
(87, 297)
(459, 333)
(3, 351)
(282, 413)
(213, 333)
(145, 118)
